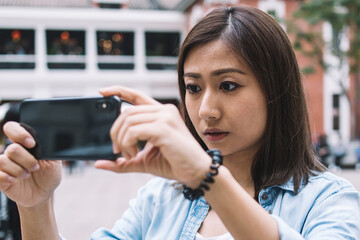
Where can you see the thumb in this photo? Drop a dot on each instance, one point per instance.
(121, 165)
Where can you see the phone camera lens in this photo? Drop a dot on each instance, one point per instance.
(104, 105)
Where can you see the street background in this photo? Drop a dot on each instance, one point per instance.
(90, 198)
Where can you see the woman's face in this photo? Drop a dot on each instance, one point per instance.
(224, 100)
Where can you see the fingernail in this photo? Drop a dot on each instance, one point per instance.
(104, 89)
(26, 175)
(127, 156)
(115, 148)
(11, 179)
(35, 168)
(29, 142)
(120, 160)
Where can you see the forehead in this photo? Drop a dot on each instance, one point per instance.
(213, 55)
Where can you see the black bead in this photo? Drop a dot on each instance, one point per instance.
(193, 194)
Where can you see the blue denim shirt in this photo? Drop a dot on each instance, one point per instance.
(328, 207)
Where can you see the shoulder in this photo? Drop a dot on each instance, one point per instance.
(321, 186)
(329, 180)
(325, 198)
(326, 185)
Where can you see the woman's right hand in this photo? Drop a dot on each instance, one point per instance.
(24, 179)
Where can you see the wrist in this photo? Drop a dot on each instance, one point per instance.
(207, 179)
(38, 221)
(44, 206)
(195, 178)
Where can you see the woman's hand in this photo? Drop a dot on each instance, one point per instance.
(171, 150)
(24, 179)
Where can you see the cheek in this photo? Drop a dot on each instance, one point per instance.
(191, 110)
(251, 114)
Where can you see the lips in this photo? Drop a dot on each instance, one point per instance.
(215, 134)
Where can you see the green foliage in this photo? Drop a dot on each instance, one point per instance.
(344, 18)
(342, 15)
(308, 70)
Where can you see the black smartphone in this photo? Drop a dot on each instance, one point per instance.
(72, 128)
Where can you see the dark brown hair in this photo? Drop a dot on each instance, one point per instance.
(253, 35)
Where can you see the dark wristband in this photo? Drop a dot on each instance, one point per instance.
(193, 194)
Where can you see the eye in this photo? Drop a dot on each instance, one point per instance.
(228, 86)
(192, 88)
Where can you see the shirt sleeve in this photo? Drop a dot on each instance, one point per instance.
(333, 216)
(286, 232)
(130, 225)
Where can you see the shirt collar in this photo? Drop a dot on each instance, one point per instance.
(289, 186)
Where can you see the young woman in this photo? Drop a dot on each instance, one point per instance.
(242, 94)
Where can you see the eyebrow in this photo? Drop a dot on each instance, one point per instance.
(216, 72)
(227, 70)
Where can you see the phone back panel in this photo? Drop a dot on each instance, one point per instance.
(72, 128)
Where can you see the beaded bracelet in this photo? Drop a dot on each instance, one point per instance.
(193, 194)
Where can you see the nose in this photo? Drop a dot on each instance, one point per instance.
(209, 107)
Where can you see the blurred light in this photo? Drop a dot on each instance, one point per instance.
(65, 36)
(107, 44)
(116, 51)
(107, 50)
(117, 37)
(16, 35)
(101, 42)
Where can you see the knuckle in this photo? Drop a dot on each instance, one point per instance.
(3, 159)
(172, 110)
(131, 132)
(127, 111)
(18, 172)
(170, 113)
(112, 132)
(13, 149)
(171, 107)
(7, 126)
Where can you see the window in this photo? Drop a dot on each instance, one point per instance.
(161, 50)
(17, 49)
(336, 111)
(65, 49)
(115, 50)
(110, 5)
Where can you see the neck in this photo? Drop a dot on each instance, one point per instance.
(240, 168)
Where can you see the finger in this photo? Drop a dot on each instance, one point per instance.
(11, 168)
(121, 165)
(128, 94)
(121, 127)
(5, 181)
(141, 132)
(22, 157)
(130, 115)
(18, 134)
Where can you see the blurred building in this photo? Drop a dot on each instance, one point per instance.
(51, 48)
(58, 48)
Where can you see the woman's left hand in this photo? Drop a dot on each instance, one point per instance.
(171, 151)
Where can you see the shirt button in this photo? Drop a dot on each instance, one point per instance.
(265, 196)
